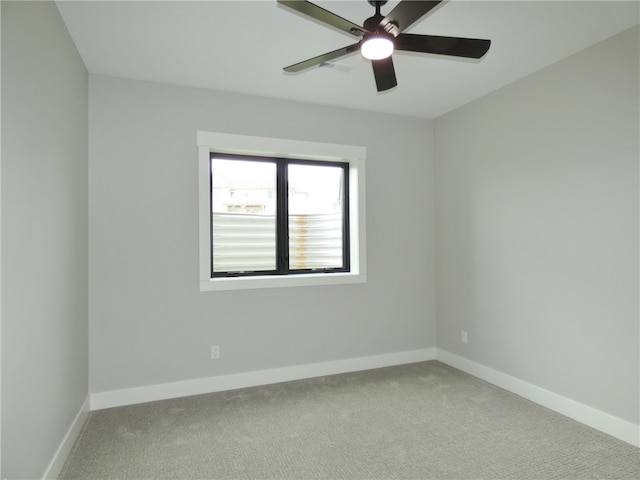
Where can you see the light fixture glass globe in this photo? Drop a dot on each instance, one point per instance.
(377, 47)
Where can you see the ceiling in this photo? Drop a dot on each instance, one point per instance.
(241, 46)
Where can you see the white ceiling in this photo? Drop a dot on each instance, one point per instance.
(242, 46)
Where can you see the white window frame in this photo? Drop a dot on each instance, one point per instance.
(355, 156)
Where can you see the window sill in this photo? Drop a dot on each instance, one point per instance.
(275, 281)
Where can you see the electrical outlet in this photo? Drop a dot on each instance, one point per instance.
(215, 352)
(463, 336)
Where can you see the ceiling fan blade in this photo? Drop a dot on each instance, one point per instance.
(325, 57)
(406, 13)
(384, 74)
(325, 16)
(456, 47)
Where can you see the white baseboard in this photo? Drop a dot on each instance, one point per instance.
(614, 426)
(55, 466)
(131, 396)
(590, 416)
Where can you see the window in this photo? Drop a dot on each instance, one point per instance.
(278, 216)
(279, 212)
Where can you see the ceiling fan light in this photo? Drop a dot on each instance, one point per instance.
(377, 47)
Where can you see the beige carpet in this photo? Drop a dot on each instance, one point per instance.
(419, 421)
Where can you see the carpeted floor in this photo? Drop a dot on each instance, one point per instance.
(418, 421)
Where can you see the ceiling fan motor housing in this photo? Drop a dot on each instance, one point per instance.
(372, 24)
(375, 24)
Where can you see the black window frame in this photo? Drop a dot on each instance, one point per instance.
(282, 216)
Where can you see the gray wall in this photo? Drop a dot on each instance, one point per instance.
(44, 236)
(149, 323)
(537, 228)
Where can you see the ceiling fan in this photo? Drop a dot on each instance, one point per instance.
(380, 36)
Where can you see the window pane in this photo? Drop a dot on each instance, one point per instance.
(316, 216)
(243, 209)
